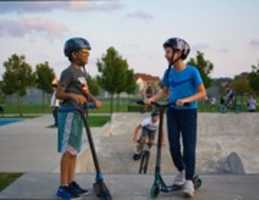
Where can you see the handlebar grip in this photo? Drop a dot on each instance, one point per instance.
(140, 102)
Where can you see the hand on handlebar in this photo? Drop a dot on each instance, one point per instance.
(148, 101)
(182, 102)
(79, 99)
(98, 103)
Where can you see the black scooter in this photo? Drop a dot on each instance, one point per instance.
(159, 184)
(99, 186)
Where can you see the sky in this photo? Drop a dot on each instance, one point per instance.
(226, 31)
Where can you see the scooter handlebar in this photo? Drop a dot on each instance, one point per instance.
(160, 104)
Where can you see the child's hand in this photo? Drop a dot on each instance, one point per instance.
(98, 103)
(79, 99)
(135, 139)
(148, 101)
(181, 102)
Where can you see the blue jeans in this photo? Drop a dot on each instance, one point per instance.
(183, 124)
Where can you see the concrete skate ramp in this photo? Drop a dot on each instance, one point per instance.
(219, 136)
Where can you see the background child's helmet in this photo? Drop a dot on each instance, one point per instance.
(178, 44)
(75, 44)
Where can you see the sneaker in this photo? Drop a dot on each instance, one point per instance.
(76, 188)
(179, 180)
(188, 189)
(64, 193)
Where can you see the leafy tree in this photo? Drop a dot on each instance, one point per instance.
(131, 85)
(17, 78)
(44, 75)
(240, 85)
(205, 67)
(254, 78)
(1, 92)
(93, 85)
(114, 75)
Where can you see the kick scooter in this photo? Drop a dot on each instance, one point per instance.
(159, 184)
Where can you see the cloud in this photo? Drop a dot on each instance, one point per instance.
(26, 26)
(254, 43)
(140, 15)
(200, 47)
(223, 50)
(69, 5)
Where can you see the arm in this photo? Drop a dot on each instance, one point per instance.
(201, 94)
(61, 94)
(162, 93)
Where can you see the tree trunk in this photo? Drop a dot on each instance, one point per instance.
(19, 106)
(111, 103)
(43, 101)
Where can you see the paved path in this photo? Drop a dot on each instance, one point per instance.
(30, 146)
(133, 187)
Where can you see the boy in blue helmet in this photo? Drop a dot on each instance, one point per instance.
(182, 84)
(72, 88)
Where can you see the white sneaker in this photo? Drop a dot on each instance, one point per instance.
(188, 189)
(179, 180)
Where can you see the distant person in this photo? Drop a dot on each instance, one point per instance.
(212, 101)
(148, 128)
(54, 104)
(230, 97)
(251, 104)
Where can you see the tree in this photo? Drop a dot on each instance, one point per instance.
(240, 85)
(93, 85)
(253, 78)
(114, 75)
(17, 78)
(44, 75)
(1, 92)
(205, 67)
(131, 85)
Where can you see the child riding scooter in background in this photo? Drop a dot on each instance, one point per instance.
(148, 128)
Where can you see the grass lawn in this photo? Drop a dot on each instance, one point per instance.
(7, 178)
(35, 109)
(97, 121)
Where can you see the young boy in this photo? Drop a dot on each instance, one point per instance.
(72, 89)
(148, 129)
(182, 84)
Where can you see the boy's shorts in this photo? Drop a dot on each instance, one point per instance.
(148, 133)
(70, 132)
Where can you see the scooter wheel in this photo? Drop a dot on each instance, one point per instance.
(155, 190)
(197, 182)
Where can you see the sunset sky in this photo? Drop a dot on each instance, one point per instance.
(227, 31)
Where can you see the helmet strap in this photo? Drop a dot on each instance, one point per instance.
(172, 59)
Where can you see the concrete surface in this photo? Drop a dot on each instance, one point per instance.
(29, 146)
(133, 187)
(219, 136)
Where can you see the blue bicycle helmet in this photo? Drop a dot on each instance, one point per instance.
(75, 44)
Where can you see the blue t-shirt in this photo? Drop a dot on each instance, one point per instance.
(182, 84)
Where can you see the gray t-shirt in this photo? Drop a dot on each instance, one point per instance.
(72, 80)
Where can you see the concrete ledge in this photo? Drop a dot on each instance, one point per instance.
(42, 186)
